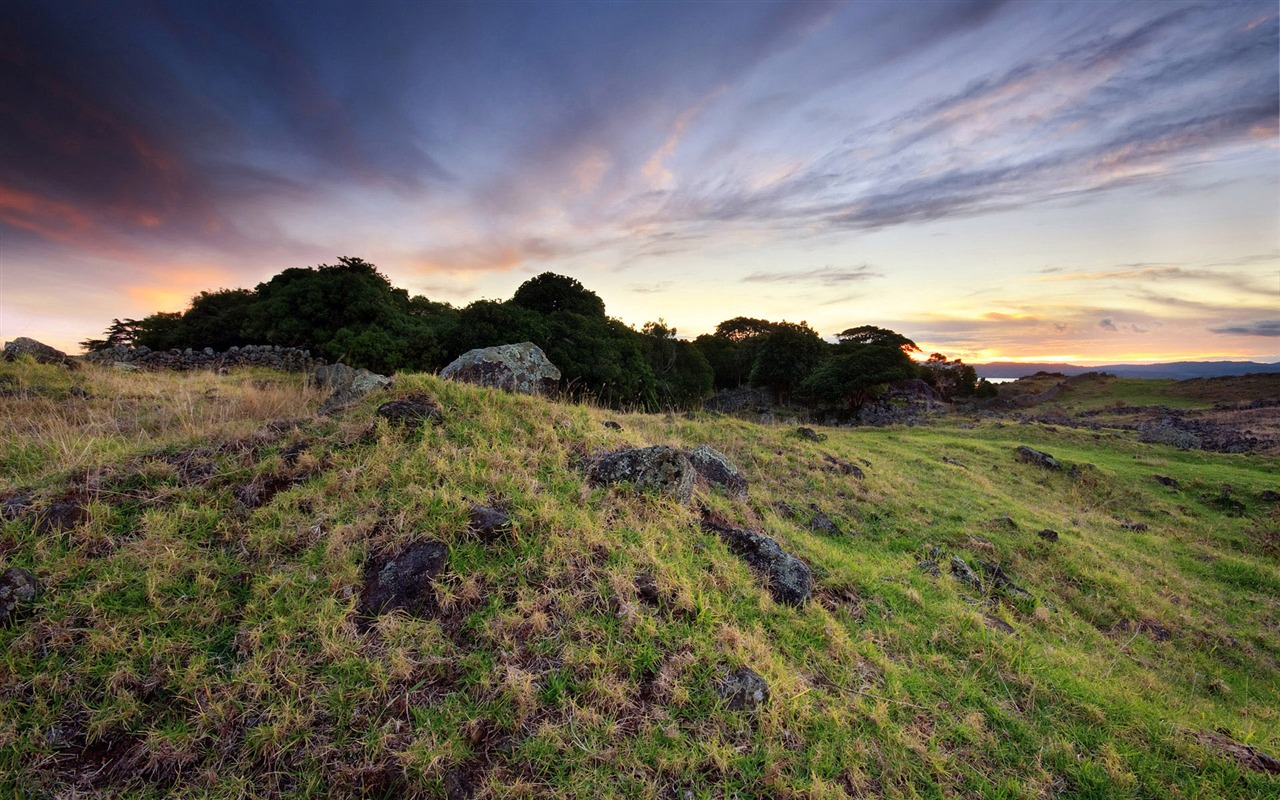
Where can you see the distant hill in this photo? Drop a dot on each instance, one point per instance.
(1178, 370)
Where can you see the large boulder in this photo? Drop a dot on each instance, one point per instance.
(41, 352)
(789, 578)
(17, 587)
(346, 385)
(659, 468)
(715, 467)
(1029, 456)
(521, 368)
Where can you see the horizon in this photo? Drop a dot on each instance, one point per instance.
(1086, 184)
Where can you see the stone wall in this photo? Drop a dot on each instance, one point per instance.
(287, 359)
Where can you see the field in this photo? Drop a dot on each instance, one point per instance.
(203, 543)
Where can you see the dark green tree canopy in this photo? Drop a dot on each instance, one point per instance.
(549, 293)
(858, 373)
(786, 356)
(871, 335)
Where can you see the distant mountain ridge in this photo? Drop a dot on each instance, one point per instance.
(1178, 370)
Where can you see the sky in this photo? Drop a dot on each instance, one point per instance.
(1089, 182)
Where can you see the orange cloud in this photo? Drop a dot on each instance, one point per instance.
(48, 218)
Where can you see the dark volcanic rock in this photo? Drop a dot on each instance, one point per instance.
(612, 425)
(789, 578)
(1269, 496)
(1246, 755)
(1130, 525)
(488, 521)
(716, 468)
(412, 411)
(964, 573)
(659, 468)
(821, 523)
(14, 506)
(1049, 535)
(17, 587)
(810, 434)
(60, 516)
(842, 466)
(1028, 456)
(1164, 480)
(346, 385)
(744, 690)
(403, 582)
(521, 368)
(41, 352)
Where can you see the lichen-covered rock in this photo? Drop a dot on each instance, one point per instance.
(41, 352)
(403, 582)
(488, 521)
(661, 469)
(716, 468)
(17, 587)
(789, 578)
(413, 411)
(347, 385)
(521, 368)
(1028, 456)
(743, 690)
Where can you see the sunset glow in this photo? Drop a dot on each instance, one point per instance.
(1088, 183)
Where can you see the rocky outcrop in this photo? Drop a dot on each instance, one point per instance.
(730, 401)
(1029, 456)
(521, 368)
(41, 352)
(346, 385)
(285, 359)
(660, 469)
(17, 587)
(412, 411)
(715, 468)
(789, 579)
(403, 582)
(743, 690)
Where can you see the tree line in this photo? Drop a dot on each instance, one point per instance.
(350, 312)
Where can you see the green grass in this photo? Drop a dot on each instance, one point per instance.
(190, 646)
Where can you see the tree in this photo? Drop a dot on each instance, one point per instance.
(683, 376)
(740, 329)
(120, 333)
(858, 373)
(549, 293)
(949, 378)
(787, 356)
(883, 337)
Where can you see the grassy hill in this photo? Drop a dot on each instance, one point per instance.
(203, 542)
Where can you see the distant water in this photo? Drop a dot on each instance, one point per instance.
(1001, 380)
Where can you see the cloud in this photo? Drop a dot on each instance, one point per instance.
(1262, 327)
(651, 288)
(825, 276)
(1107, 324)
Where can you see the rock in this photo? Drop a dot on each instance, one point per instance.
(743, 690)
(1269, 496)
(1164, 480)
(809, 434)
(346, 385)
(488, 521)
(1028, 456)
(412, 411)
(404, 581)
(953, 462)
(1049, 535)
(1245, 755)
(999, 580)
(60, 516)
(843, 467)
(14, 506)
(996, 624)
(662, 469)
(789, 579)
(17, 587)
(125, 366)
(611, 425)
(521, 368)
(964, 573)
(1003, 522)
(41, 352)
(716, 468)
(821, 523)
(1130, 525)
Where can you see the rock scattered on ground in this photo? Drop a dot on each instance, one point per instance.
(1049, 535)
(744, 690)
(60, 516)
(953, 462)
(522, 368)
(1269, 496)
(1130, 525)
(403, 582)
(612, 425)
(996, 578)
(1165, 480)
(1246, 755)
(346, 385)
(821, 523)
(488, 521)
(412, 411)
(18, 587)
(661, 469)
(996, 624)
(715, 468)
(810, 434)
(789, 580)
(843, 467)
(1029, 456)
(41, 352)
(14, 506)
(964, 573)
(1006, 523)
